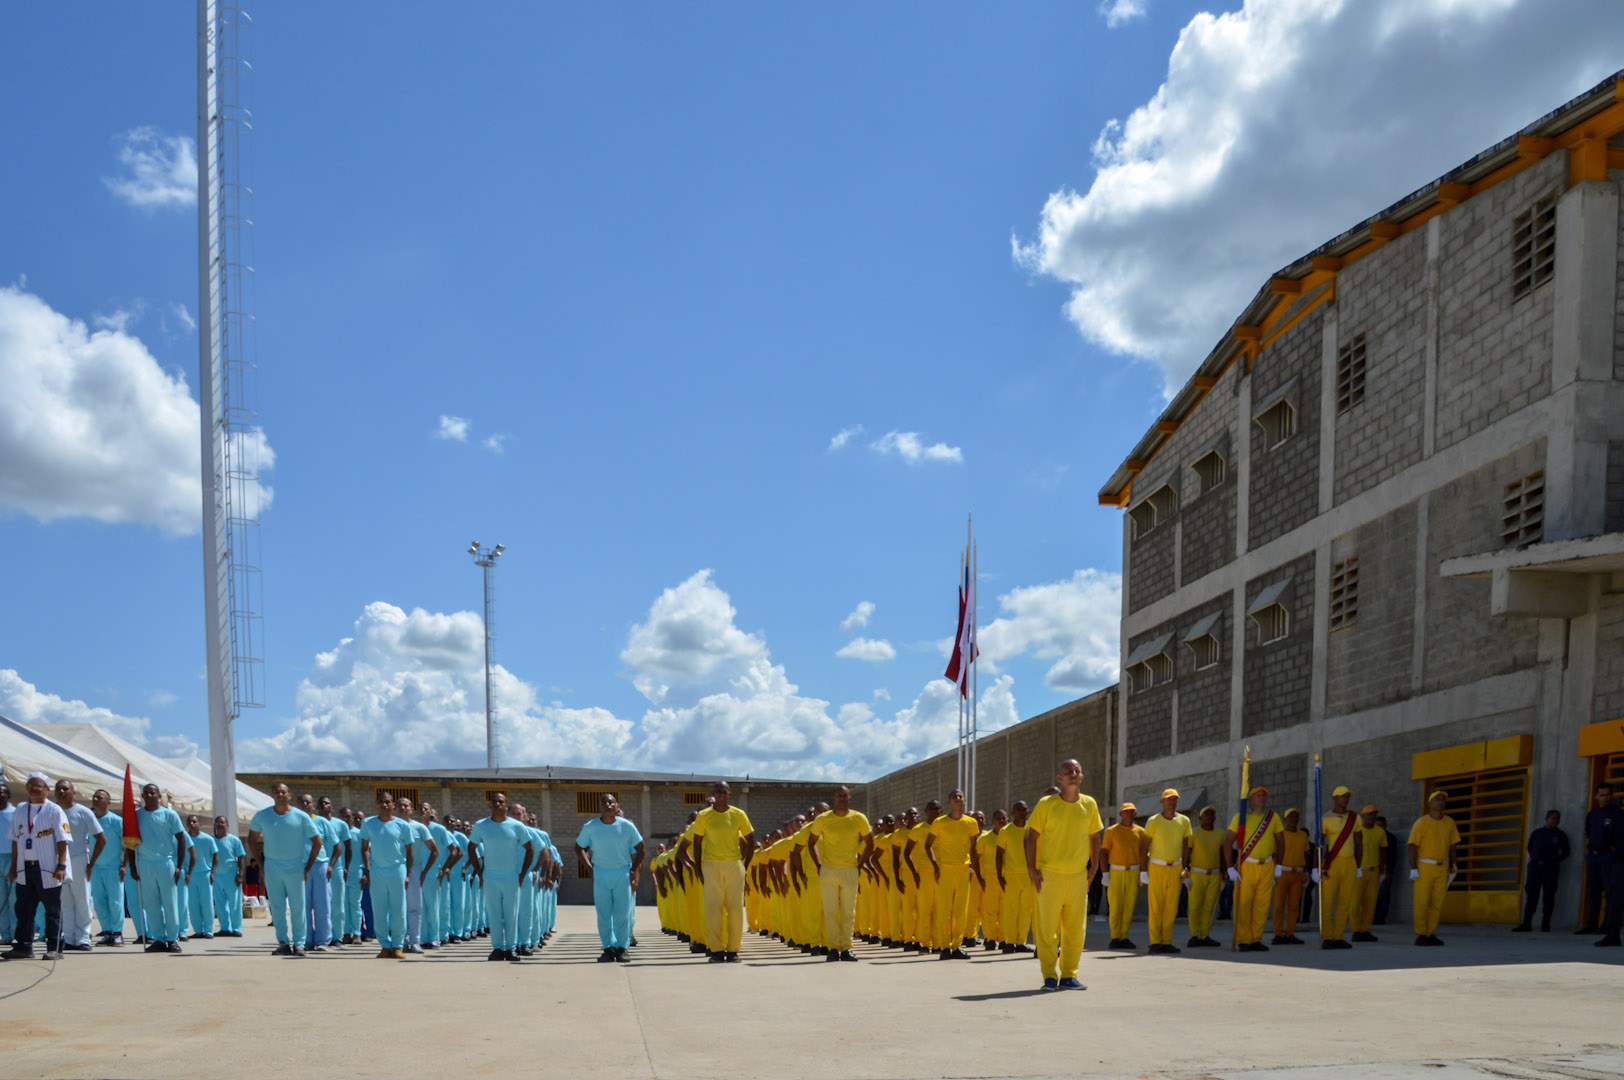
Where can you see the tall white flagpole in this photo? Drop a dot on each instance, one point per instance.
(975, 671)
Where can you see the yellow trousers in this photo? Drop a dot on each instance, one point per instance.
(1336, 899)
(1122, 896)
(992, 911)
(910, 909)
(1165, 883)
(724, 904)
(1062, 915)
(972, 909)
(695, 914)
(1020, 904)
(952, 906)
(1204, 890)
(896, 898)
(1365, 889)
(1288, 900)
(839, 887)
(1429, 898)
(1252, 899)
(812, 909)
(926, 924)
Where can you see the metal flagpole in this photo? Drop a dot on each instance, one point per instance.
(1240, 844)
(958, 687)
(1319, 847)
(975, 673)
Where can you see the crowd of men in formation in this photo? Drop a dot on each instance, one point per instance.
(940, 882)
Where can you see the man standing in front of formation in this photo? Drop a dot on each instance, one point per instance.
(1062, 843)
(507, 853)
(611, 849)
(723, 840)
(285, 842)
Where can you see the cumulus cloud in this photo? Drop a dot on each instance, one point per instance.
(160, 171)
(874, 650)
(844, 436)
(454, 428)
(92, 426)
(1118, 12)
(1072, 622)
(1277, 127)
(120, 319)
(688, 635)
(910, 446)
(859, 616)
(495, 443)
(181, 313)
(25, 703)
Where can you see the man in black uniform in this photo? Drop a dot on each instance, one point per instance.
(1384, 891)
(1615, 884)
(1547, 848)
(1602, 826)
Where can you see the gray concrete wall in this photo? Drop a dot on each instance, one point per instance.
(1278, 677)
(1285, 480)
(1369, 663)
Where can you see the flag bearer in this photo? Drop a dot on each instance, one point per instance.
(992, 894)
(1256, 856)
(1121, 847)
(228, 878)
(1206, 877)
(1166, 856)
(1062, 842)
(107, 877)
(1433, 841)
(1020, 902)
(1338, 873)
(948, 849)
(841, 842)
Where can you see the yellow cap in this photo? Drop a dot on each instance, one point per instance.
(1371, 809)
(1439, 794)
(1294, 813)
(1129, 806)
(1260, 790)
(1341, 791)
(1171, 793)
(1204, 809)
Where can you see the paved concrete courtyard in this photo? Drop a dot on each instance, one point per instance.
(1490, 1004)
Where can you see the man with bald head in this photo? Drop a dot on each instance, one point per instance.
(841, 841)
(228, 877)
(285, 842)
(84, 852)
(723, 839)
(1062, 843)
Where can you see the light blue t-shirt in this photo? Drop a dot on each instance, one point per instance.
(387, 841)
(84, 826)
(612, 843)
(324, 832)
(460, 843)
(5, 830)
(231, 850)
(112, 828)
(442, 839)
(207, 847)
(158, 829)
(502, 845)
(340, 832)
(420, 845)
(285, 837)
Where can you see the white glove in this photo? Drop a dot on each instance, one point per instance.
(1144, 877)
(1452, 874)
(1105, 877)
(1314, 875)
(1415, 875)
(1278, 870)
(1359, 872)
(1234, 875)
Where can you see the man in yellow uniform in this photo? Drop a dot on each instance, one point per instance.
(948, 848)
(879, 879)
(1020, 902)
(812, 886)
(1062, 844)
(723, 840)
(1296, 848)
(1122, 845)
(1433, 839)
(841, 839)
(992, 895)
(1166, 856)
(972, 917)
(913, 853)
(1338, 872)
(904, 905)
(1206, 877)
(1255, 859)
(693, 891)
(1373, 841)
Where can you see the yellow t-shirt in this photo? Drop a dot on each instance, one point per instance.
(808, 867)
(987, 855)
(1204, 846)
(840, 839)
(1374, 840)
(1294, 849)
(1264, 850)
(916, 857)
(1167, 835)
(1121, 844)
(719, 831)
(1432, 839)
(1064, 829)
(779, 851)
(1012, 842)
(1331, 827)
(954, 840)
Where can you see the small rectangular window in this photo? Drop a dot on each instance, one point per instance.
(1153, 670)
(693, 798)
(1344, 592)
(1533, 247)
(586, 802)
(1273, 623)
(1204, 650)
(1522, 516)
(1279, 423)
(1209, 471)
(1156, 509)
(1350, 374)
(398, 794)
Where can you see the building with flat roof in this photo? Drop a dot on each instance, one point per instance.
(1383, 522)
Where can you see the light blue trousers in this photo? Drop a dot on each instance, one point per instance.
(200, 902)
(160, 903)
(527, 910)
(338, 901)
(453, 893)
(318, 923)
(285, 892)
(414, 909)
(388, 884)
(612, 896)
(228, 900)
(502, 907)
(352, 900)
(433, 898)
(107, 894)
(8, 899)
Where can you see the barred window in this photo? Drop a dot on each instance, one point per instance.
(586, 802)
(1158, 507)
(1344, 592)
(397, 793)
(1209, 471)
(1273, 623)
(1533, 247)
(1154, 670)
(1350, 374)
(694, 798)
(1279, 423)
(1522, 512)
(1205, 651)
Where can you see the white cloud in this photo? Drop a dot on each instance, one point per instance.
(874, 650)
(27, 704)
(120, 319)
(844, 436)
(495, 443)
(688, 636)
(1118, 12)
(180, 312)
(859, 616)
(159, 170)
(92, 426)
(911, 447)
(1277, 127)
(882, 694)
(1072, 622)
(452, 427)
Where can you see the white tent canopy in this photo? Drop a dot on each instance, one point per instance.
(93, 757)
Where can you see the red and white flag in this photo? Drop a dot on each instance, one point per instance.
(965, 649)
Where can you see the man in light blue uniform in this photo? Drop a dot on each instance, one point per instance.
(353, 873)
(318, 925)
(555, 880)
(507, 854)
(8, 886)
(456, 884)
(84, 850)
(338, 857)
(423, 853)
(612, 849)
(204, 864)
(527, 885)
(182, 885)
(228, 877)
(386, 857)
(156, 867)
(540, 874)
(107, 877)
(435, 889)
(284, 841)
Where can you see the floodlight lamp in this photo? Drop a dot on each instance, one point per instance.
(501, 548)
(473, 545)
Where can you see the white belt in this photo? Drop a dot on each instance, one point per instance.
(1125, 866)
(1432, 862)
(1255, 862)
(1167, 862)
(1199, 870)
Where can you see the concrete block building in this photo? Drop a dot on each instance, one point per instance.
(1383, 522)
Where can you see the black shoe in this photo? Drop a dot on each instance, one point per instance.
(1611, 941)
(1280, 939)
(280, 950)
(17, 952)
(429, 945)
(716, 958)
(991, 946)
(622, 956)
(298, 950)
(514, 957)
(1364, 936)
(1434, 939)
(1422, 939)
(1023, 948)
(1327, 943)
(958, 954)
(184, 937)
(1523, 928)
(1195, 943)
(944, 954)
(682, 937)
(732, 957)
(846, 955)
(832, 958)
(696, 947)
(1006, 948)
(318, 948)
(1171, 950)
(141, 939)
(75, 948)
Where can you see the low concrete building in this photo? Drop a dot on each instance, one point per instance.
(562, 799)
(1382, 521)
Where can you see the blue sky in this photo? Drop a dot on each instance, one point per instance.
(643, 264)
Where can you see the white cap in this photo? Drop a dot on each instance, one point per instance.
(39, 776)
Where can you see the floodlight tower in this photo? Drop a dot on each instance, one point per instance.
(485, 559)
(229, 435)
